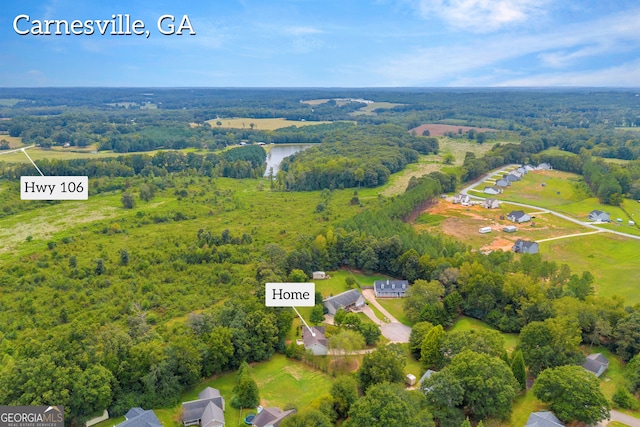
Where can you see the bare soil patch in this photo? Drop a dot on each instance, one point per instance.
(440, 129)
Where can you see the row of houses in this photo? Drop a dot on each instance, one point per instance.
(513, 176)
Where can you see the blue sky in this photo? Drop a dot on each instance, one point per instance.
(343, 43)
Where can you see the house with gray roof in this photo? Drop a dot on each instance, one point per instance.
(207, 411)
(512, 177)
(425, 377)
(525, 247)
(596, 363)
(390, 288)
(502, 183)
(518, 216)
(492, 190)
(543, 419)
(138, 417)
(599, 216)
(349, 300)
(545, 166)
(318, 344)
(271, 417)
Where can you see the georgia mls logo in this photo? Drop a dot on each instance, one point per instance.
(31, 416)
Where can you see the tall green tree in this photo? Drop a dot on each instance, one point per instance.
(345, 392)
(481, 384)
(418, 332)
(385, 364)
(554, 342)
(573, 394)
(390, 405)
(430, 354)
(518, 368)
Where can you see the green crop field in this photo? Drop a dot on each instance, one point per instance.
(261, 124)
(613, 260)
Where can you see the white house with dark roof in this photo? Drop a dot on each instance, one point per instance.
(525, 247)
(543, 419)
(138, 417)
(207, 411)
(545, 166)
(596, 363)
(271, 417)
(349, 300)
(390, 288)
(318, 344)
(599, 216)
(518, 216)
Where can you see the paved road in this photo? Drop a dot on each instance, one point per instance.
(622, 418)
(538, 208)
(393, 330)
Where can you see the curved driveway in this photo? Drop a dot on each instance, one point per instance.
(393, 330)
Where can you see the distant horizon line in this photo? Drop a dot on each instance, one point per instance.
(333, 87)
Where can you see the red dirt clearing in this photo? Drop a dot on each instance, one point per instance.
(440, 130)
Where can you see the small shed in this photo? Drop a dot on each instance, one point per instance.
(510, 229)
(410, 379)
(596, 363)
(319, 275)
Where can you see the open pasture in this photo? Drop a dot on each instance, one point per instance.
(613, 260)
(261, 124)
(438, 129)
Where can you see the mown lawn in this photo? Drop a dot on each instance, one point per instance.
(280, 380)
(395, 306)
(560, 188)
(613, 260)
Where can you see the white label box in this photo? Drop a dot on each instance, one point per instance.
(290, 294)
(54, 188)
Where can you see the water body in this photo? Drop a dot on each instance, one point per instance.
(279, 152)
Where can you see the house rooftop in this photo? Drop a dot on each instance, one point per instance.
(344, 299)
(270, 417)
(138, 417)
(543, 419)
(310, 340)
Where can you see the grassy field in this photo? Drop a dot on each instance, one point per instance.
(280, 381)
(547, 189)
(434, 162)
(368, 110)
(14, 141)
(467, 323)
(73, 153)
(395, 306)
(613, 260)
(261, 124)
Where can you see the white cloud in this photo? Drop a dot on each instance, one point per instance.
(625, 75)
(483, 15)
(560, 47)
(301, 31)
